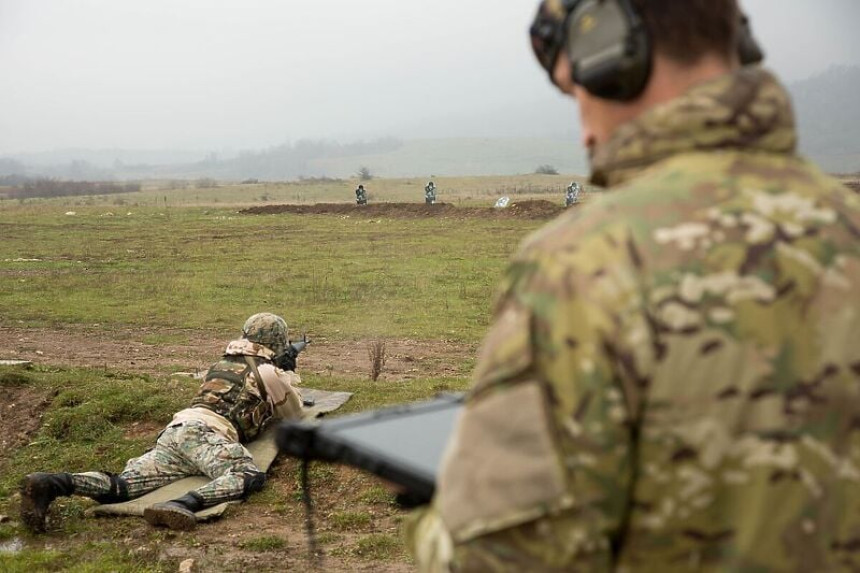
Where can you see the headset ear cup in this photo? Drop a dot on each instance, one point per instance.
(618, 79)
(749, 50)
(618, 69)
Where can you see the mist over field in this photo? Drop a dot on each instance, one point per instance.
(276, 90)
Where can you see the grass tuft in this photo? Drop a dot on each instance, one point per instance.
(264, 543)
(14, 378)
(378, 546)
(350, 520)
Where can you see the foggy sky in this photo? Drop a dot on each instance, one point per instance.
(216, 74)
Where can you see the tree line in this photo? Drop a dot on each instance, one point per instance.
(47, 187)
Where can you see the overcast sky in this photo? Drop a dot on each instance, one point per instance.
(216, 74)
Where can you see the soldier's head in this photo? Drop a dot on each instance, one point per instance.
(619, 58)
(267, 329)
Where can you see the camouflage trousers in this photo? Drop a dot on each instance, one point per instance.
(184, 449)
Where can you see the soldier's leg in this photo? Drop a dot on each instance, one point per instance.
(227, 463)
(159, 466)
(154, 469)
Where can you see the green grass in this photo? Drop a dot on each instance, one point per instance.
(84, 558)
(82, 428)
(343, 278)
(264, 543)
(378, 546)
(350, 520)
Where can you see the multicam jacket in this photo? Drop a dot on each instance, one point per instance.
(672, 379)
(231, 400)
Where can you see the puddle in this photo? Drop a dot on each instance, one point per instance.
(12, 546)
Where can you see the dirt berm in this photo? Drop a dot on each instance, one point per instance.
(534, 209)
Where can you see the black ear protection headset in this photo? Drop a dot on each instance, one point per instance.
(608, 44)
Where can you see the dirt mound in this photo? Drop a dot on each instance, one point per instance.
(533, 209)
(20, 413)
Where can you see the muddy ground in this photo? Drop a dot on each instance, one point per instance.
(532, 209)
(125, 350)
(225, 546)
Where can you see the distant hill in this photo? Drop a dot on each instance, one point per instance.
(464, 156)
(513, 139)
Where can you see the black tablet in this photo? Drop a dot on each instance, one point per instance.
(401, 444)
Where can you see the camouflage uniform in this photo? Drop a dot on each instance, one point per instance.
(201, 441)
(430, 193)
(572, 195)
(672, 379)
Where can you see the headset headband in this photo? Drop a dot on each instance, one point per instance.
(608, 44)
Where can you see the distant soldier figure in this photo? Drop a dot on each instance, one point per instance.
(360, 195)
(572, 195)
(430, 193)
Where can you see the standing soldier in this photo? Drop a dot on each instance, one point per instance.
(360, 195)
(251, 386)
(672, 377)
(430, 193)
(572, 195)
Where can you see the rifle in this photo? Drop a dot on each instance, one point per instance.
(287, 360)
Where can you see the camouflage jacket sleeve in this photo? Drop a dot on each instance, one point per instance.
(538, 473)
(280, 385)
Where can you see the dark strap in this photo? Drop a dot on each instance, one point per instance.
(314, 551)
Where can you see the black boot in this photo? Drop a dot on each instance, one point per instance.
(177, 513)
(38, 490)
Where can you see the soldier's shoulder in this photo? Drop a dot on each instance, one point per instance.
(686, 190)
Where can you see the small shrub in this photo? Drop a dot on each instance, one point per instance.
(376, 354)
(546, 169)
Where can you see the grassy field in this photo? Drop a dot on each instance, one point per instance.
(192, 262)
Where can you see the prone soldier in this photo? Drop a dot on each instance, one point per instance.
(252, 385)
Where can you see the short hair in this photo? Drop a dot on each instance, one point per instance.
(687, 30)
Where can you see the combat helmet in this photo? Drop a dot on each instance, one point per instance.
(267, 329)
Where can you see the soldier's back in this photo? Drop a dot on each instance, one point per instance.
(734, 281)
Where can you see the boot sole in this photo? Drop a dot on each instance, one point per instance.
(170, 518)
(32, 515)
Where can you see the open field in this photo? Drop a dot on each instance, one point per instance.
(112, 301)
(460, 191)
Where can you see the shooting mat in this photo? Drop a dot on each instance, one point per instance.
(263, 449)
